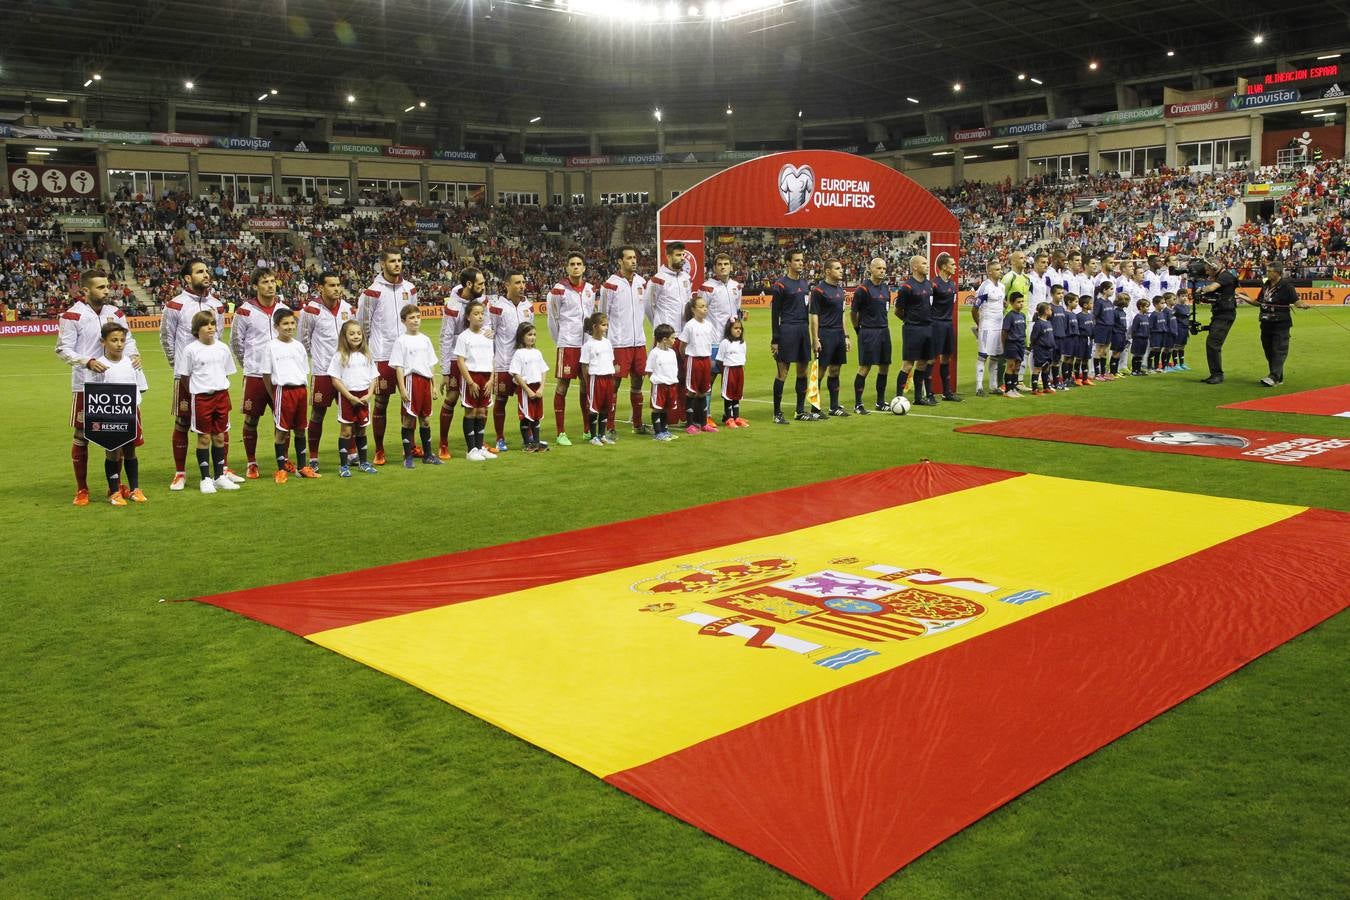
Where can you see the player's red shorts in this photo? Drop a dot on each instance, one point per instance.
(416, 395)
(351, 414)
(698, 374)
(482, 399)
(569, 362)
(506, 383)
(322, 393)
(630, 362)
(452, 380)
(77, 409)
(182, 398)
(733, 383)
(210, 413)
(386, 382)
(531, 408)
(256, 398)
(666, 397)
(289, 407)
(600, 393)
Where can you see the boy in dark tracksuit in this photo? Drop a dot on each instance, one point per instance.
(1181, 331)
(1141, 331)
(1059, 327)
(1086, 327)
(1119, 326)
(1157, 331)
(1043, 349)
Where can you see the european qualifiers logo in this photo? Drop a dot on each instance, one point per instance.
(798, 187)
(1191, 439)
(795, 185)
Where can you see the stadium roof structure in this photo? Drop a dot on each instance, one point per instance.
(584, 64)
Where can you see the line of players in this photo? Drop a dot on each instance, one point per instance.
(1085, 317)
(692, 326)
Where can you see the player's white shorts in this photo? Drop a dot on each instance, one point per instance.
(991, 342)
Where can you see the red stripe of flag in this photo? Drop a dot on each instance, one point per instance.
(872, 775)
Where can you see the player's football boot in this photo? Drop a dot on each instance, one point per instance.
(815, 415)
(252, 470)
(417, 451)
(979, 392)
(839, 412)
(281, 476)
(290, 468)
(116, 499)
(431, 459)
(444, 452)
(801, 417)
(741, 423)
(124, 491)
(344, 472)
(882, 407)
(231, 477)
(928, 400)
(308, 472)
(563, 439)
(408, 462)
(642, 429)
(368, 468)
(179, 480)
(778, 419)
(608, 439)
(138, 496)
(502, 448)
(691, 429)
(860, 409)
(208, 486)
(81, 497)
(379, 458)
(710, 428)
(952, 397)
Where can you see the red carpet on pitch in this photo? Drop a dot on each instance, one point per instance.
(1327, 401)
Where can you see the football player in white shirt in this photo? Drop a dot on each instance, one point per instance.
(413, 360)
(320, 322)
(472, 285)
(473, 355)
(723, 294)
(503, 323)
(115, 367)
(79, 344)
(570, 302)
(668, 295)
(988, 315)
(175, 333)
(378, 311)
(285, 377)
(622, 299)
(251, 333)
(527, 370)
(207, 365)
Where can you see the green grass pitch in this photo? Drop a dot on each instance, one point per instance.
(156, 748)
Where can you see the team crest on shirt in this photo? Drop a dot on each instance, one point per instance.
(833, 617)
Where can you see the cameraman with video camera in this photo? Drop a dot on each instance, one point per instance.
(1220, 294)
(1274, 301)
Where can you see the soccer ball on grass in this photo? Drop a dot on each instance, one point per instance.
(900, 405)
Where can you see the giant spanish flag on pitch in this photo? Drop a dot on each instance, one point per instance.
(837, 677)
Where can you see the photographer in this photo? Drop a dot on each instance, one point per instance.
(1274, 301)
(1220, 294)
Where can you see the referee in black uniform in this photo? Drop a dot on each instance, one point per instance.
(1221, 295)
(1274, 301)
(914, 307)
